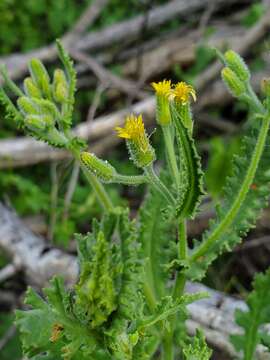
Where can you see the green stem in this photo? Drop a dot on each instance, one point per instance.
(149, 296)
(182, 239)
(171, 154)
(178, 289)
(240, 197)
(255, 102)
(158, 184)
(130, 180)
(99, 190)
(167, 347)
(96, 185)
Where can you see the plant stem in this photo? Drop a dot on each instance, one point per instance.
(130, 180)
(255, 102)
(178, 289)
(167, 350)
(240, 197)
(96, 185)
(158, 184)
(182, 239)
(171, 154)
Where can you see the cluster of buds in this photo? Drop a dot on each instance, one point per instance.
(44, 106)
(43, 103)
(235, 74)
(180, 94)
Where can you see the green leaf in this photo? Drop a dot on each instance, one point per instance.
(258, 313)
(36, 326)
(157, 250)
(168, 307)
(241, 204)
(97, 290)
(198, 349)
(191, 175)
(71, 75)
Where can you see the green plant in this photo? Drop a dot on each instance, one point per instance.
(251, 320)
(129, 302)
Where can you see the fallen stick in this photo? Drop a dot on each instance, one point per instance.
(23, 151)
(17, 63)
(215, 314)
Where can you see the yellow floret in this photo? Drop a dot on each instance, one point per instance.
(133, 129)
(183, 91)
(162, 88)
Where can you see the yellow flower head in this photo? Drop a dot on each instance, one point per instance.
(182, 92)
(133, 129)
(140, 150)
(162, 88)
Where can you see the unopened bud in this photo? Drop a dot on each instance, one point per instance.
(163, 91)
(102, 169)
(35, 123)
(31, 89)
(40, 76)
(60, 86)
(235, 62)
(46, 107)
(233, 83)
(27, 106)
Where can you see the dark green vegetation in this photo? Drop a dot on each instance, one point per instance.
(35, 191)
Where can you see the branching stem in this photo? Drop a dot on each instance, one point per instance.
(158, 184)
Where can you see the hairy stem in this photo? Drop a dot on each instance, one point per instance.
(171, 154)
(131, 180)
(240, 197)
(158, 184)
(96, 185)
(178, 288)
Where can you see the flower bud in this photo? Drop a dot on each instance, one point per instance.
(141, 152)
(27, 106)
(40, 76)
(163, 90)
(60, 86)
(39, 123)
(31, 89)
(233, 83)
(46, 107)
(235, 62)
(102, 169)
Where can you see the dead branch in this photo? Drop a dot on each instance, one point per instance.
(17, 63)
(23, 151)
(108, 78)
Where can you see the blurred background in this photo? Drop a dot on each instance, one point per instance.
(119, 48)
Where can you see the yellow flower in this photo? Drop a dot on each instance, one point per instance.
(162, 88)
(139, 147)
(182, 92)
(133, 129)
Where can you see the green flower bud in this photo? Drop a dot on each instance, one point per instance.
(235, 62)
(60, 86)
(102, 169)
(27, 106)
(163, 91)
(46, 107)
(233, 83)
(35, 123)
(40, 76)
(31, 89)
